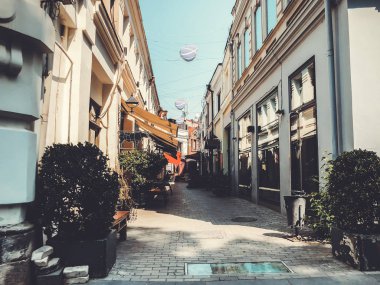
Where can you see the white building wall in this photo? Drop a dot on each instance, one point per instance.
(364, 42)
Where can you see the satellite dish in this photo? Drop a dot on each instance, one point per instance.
(188, 52)
(180, 104)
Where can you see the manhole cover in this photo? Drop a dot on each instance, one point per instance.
(245, 219)
(236, 268)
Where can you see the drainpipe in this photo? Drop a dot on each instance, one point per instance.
(332, 79)
(212, 126)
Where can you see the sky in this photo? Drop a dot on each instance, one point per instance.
(171, 24)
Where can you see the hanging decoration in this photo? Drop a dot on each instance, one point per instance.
(188, 52)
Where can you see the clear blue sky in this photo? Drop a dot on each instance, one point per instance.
(170, 24)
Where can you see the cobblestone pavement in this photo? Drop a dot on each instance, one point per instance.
(196, 227)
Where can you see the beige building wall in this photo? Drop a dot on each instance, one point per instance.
(101, 54)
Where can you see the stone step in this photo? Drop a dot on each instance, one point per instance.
(52, 265)
(76, 271)
(52, 278)
(42, 262)
(42, 252)
(77, 280)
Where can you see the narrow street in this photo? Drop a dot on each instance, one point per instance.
(196, 227)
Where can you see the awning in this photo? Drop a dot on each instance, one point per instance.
(152, 119)
(171, 159)
(162, 136)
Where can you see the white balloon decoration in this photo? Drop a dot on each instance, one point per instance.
(188, 52)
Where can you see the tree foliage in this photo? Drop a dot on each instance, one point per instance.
(77, 192)
(141, 168)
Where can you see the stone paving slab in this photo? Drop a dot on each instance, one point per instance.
(197, 227)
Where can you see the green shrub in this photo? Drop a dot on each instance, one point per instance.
(354, 191)
(350, 196)
(141, 168)
(77, 192)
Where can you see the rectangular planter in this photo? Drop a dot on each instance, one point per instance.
(99, 254)
(358, 250)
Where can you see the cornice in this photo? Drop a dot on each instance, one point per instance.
(300, 26)
(107, 32)
(243, 7)
(137, 20)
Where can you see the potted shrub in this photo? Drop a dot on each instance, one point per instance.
(77, 195)
(351, 204)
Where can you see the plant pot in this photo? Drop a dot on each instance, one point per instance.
(99, 254)
(358, 250)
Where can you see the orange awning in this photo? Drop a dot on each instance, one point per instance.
(152, 119)
(170, 159)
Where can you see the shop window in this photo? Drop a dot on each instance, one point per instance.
(303, 131)
(268, 152)
(245, 157)
(258, 28)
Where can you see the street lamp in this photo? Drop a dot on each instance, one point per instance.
(132, 103)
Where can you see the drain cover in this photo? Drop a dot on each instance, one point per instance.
(236, 268)
(244, 219)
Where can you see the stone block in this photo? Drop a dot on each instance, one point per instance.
(76, 271)
(77, 280)
(42, 252)
(52, 265)
(16, 242)
(53, 278)
(42, 262)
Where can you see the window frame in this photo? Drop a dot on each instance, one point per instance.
(299, 109)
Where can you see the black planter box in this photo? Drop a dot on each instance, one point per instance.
(99, 255)
(358, 250)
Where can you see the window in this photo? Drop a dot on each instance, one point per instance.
(238, 61)
(258, 29)
(271, 15)
(94, 124)
(218, 102)
(245, 157)
(246, 48)
(303, 130)
(268, 152)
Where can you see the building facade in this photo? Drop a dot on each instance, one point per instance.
(100, 58)
(297, 92)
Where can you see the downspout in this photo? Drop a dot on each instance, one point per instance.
(332, 79)
(212, 127)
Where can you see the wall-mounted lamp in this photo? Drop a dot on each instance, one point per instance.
(280, 112)
(132, 103)
(250, 129)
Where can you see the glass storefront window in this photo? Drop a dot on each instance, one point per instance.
(268, 152)
(245, 158)
(303, 132)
